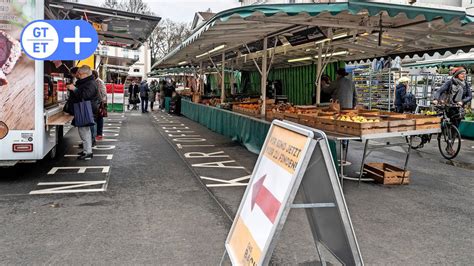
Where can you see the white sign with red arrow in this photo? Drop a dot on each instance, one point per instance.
(278, 171)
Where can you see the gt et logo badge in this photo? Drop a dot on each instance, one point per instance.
(59, 39)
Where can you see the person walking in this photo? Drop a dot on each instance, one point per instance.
(152, 94)
(103, 104)
(85, 89)
(133, 95)
(162, 94)
(144, 91)
(344, 90)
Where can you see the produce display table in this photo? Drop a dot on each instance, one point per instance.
(251, 132)
(466, 128)
(369, 148)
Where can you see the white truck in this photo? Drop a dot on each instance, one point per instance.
(31, 118)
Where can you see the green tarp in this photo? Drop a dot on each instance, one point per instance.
(352, 7)
(249, 132)
(298, 82)
(466, 128)
(240, 128)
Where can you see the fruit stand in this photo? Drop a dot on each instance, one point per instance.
(231, 39)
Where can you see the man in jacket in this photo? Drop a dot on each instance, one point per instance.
(344, 90)
(455, 92)
(144, 95)
(85, 89)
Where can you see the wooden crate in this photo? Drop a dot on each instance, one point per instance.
(426, 121)
(400, 125)
(360, 129)
(245, 111)
(386, 174)
(325, 123)
(278, 115)
(291, 117)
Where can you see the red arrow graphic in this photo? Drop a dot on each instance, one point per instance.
(265, 200)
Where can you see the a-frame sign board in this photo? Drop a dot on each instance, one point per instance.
(292, 156)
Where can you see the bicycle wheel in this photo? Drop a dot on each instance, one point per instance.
(449, 142)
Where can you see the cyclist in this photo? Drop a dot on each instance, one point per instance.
(455, 92)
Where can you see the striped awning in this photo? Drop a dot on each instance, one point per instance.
(348, 30)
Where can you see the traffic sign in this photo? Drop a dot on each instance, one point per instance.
(59, 39)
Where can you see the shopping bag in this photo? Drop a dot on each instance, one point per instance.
(103, 109)
(83, 115)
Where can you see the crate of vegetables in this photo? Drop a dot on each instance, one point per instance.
(359, 125)
(400, 125)
(247, 109)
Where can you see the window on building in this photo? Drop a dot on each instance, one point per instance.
(136, 70)
(136, 57)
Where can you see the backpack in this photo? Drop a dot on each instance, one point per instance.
(410, 102)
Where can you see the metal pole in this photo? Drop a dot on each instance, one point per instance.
(223, 79)
(201, 80)
(263, 81)
(318, 77)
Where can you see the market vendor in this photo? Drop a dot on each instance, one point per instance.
(344, 90)
(405, 101)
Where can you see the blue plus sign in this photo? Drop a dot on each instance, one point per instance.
(77, 40)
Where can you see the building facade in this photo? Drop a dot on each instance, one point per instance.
(143, 55)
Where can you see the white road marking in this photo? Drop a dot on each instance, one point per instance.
(108, 156)
(69, 187)
(218, 165)
(190, 140)
(227, 183)
(81, 169)
(206, 155)
(110, 134)
(180, 146)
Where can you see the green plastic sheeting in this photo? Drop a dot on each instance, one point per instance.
(298, 82)
(249, 132)
(466, 128)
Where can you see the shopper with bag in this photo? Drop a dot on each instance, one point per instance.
(102, 105)
(85, 99)
(405, 101)
(133, 96)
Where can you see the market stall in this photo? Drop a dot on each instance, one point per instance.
(320, 34)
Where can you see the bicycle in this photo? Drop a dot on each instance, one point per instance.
(449, 140)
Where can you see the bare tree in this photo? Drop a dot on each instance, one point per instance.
(134, 6)
(112, 4)
(167, 36)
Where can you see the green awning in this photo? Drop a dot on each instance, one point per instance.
(352, 7)
(407, 30)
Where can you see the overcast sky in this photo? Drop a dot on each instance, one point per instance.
(180, 10)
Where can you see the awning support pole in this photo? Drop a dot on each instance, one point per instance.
(272, 56)
(201, 80)
(215, 67)
(263, 82)
(253, 59)
(318, 76)
(223, 78)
